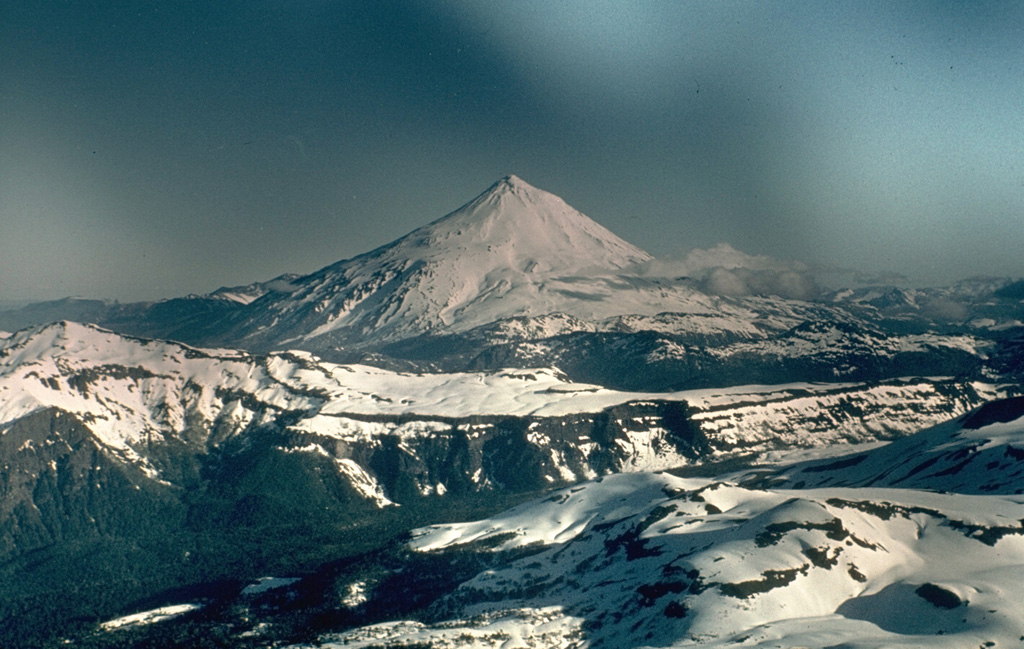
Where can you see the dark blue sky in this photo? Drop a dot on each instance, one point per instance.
(150, 149)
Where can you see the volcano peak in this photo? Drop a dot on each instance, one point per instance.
(514, 250)
(513, 184)
(526, 222)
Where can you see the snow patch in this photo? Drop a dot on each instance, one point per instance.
(150, 617)
(363, 482)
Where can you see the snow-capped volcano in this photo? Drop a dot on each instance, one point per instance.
(515, 250)
(517, 227)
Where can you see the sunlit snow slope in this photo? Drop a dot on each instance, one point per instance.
(981, 452)
(652, 560)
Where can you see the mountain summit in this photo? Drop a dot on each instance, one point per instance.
(513, 251)
(515, 226)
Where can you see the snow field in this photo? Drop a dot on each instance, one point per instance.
(660, 561)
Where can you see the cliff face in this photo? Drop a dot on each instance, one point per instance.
(402, 458)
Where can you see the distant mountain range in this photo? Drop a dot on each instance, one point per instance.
(173, 453)
(518, 278)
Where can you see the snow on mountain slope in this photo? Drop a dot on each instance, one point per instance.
(137, 396)
(126, 387)
(129, 389)
(989, 304)
(728, 319)
(251, 292)
(653, 560)
(515, 250)
(759, 419)
(981, 452)
(161, 614)
(819, 338)
(705, 326)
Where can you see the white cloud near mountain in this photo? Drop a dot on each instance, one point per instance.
(723, 270)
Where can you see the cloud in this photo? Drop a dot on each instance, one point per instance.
(941, 308)
(878, 279)
(721, 281)
(724, 255)
(723, 270)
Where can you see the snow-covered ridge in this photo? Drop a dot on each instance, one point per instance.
(655, 560)
(107, 377)
(126, 389)
(130, 390)
(815, 415)
(830, 338)
(252, 292)
(131, 393)
(981, 452)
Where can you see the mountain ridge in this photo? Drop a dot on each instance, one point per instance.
(520, 261)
